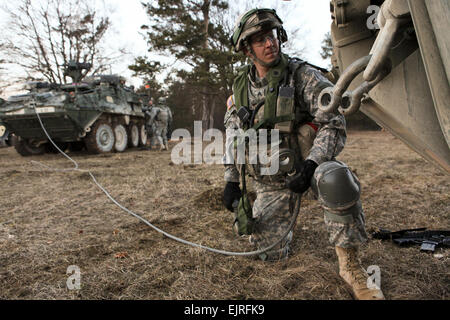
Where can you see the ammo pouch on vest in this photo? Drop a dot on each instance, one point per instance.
(279, 109)
(243, 217)
(285, 109)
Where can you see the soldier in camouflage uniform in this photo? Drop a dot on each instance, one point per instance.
(161, 118)
(315, 138)
(150, 123)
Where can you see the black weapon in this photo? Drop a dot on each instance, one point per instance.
(428, 240)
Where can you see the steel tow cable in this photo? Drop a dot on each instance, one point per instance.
(196, 245)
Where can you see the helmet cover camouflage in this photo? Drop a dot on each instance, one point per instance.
(162, 100)
(254, 21)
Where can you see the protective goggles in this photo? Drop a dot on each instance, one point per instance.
(260, 39)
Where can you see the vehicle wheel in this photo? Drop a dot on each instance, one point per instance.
(28, 147)
(121, 136)
(101, 138)
(142, 135)
(134, 136)
(4, 135)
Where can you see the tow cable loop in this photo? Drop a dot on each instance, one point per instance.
(195, 245)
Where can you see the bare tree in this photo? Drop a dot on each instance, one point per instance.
(42, 36)
(1, 68)
(327, 47)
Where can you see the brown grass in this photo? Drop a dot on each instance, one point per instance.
(51, 220)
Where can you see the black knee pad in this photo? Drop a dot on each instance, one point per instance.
(336, 187)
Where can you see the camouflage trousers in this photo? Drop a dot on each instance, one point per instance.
(274, 209)
(161, 133)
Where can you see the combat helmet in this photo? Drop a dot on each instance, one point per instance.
(162, 100)
(254, 21)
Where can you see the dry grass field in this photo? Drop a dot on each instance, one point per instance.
(50, 220)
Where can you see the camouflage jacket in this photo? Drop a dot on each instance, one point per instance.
(160, 114)
(309, 82)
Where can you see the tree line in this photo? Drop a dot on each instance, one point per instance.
(196, 34)
(43, 36)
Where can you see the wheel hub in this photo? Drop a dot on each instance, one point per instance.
(104, 137)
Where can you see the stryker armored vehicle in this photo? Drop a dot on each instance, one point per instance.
(393, 61)
(98, 113)
(5, 137)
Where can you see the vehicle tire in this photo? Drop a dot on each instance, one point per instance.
(133, 136)
(4, 135)
(26, 147)
(121, 135)
(142, 135)
(101, 138)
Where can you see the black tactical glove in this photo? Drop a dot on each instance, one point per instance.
(302, 180)
(231, 193)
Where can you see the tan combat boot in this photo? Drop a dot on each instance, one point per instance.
(355, 276)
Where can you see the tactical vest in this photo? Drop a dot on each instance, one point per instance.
(163, 115)
(280, 110)
(280, 113)
(279, 105)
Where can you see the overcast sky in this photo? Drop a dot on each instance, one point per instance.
(313, 17)
(128, 16)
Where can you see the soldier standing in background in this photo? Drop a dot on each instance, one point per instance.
(161, 118)
(279, 92)
(149, 125)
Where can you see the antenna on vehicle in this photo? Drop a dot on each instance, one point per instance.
(75, 69)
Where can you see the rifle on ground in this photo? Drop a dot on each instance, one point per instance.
(428, 240)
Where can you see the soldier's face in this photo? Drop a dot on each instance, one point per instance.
(265, 45)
